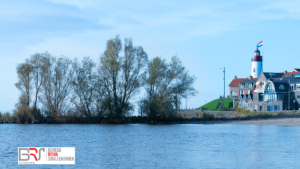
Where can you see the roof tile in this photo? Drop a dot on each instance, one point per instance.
(235, 82)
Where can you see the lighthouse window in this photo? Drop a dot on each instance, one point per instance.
(253, 69)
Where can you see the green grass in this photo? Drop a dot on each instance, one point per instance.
(226, 103)
(211, 105)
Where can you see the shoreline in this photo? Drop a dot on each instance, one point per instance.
(259, 121)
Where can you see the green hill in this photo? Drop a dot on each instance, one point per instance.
(228, 103)
(213, 104)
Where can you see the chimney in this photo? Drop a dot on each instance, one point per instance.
(285, 72)
(250, 77)
(235, 77)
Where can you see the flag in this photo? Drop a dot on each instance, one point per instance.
(260, 44)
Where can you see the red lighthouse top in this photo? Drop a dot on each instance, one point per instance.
(257, 56)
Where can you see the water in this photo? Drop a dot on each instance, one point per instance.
(158, 146)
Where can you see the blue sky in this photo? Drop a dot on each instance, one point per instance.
(206, 35)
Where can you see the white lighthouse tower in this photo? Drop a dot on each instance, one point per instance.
(257, 66)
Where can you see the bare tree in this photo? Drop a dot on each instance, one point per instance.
(121, 74)
(58, 75)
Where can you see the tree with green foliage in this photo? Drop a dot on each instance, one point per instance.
(122, 75)
(166, 84)
(84, 87)
(24, 84)
(58, 75)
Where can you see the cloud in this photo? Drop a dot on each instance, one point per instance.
(78, 3)
(79, 28)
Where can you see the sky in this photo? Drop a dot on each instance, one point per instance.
(205, 35)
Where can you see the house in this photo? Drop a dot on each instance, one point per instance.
(294, 94)
(234, 91)
(271, 93)
(246, 89)
(267, 91)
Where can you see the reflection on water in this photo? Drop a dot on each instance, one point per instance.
(158, 146)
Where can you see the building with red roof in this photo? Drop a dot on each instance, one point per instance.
(234, 91)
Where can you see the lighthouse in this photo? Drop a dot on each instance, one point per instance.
(257, 66)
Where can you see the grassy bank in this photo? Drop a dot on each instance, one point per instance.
(212, 106)
(241, 114)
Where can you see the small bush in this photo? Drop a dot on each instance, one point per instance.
(207, 116)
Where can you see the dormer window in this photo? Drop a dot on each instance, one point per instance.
(250, 85)
(281, 87)
(292, 86)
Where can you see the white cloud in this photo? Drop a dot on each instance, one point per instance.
(161, 27)
(78, 3)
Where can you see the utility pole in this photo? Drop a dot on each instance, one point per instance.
(224, 80)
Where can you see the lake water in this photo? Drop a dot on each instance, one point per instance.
(158, 146)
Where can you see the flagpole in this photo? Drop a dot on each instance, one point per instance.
(263, 48)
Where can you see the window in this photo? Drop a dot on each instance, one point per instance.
(250, 85)
(260, 97)
(298, 86)
(270, 98)
(285, 97)
(298, 96)
(253, 69)
(249, 91)
(270, 88)
(277, 108)
(270, 108)
(292, 97)
(242, 85)
(233, 93)
(282, 97)
(281, 87)
(292, 86)
(255, 97)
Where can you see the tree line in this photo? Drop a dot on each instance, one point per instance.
(61, 89)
